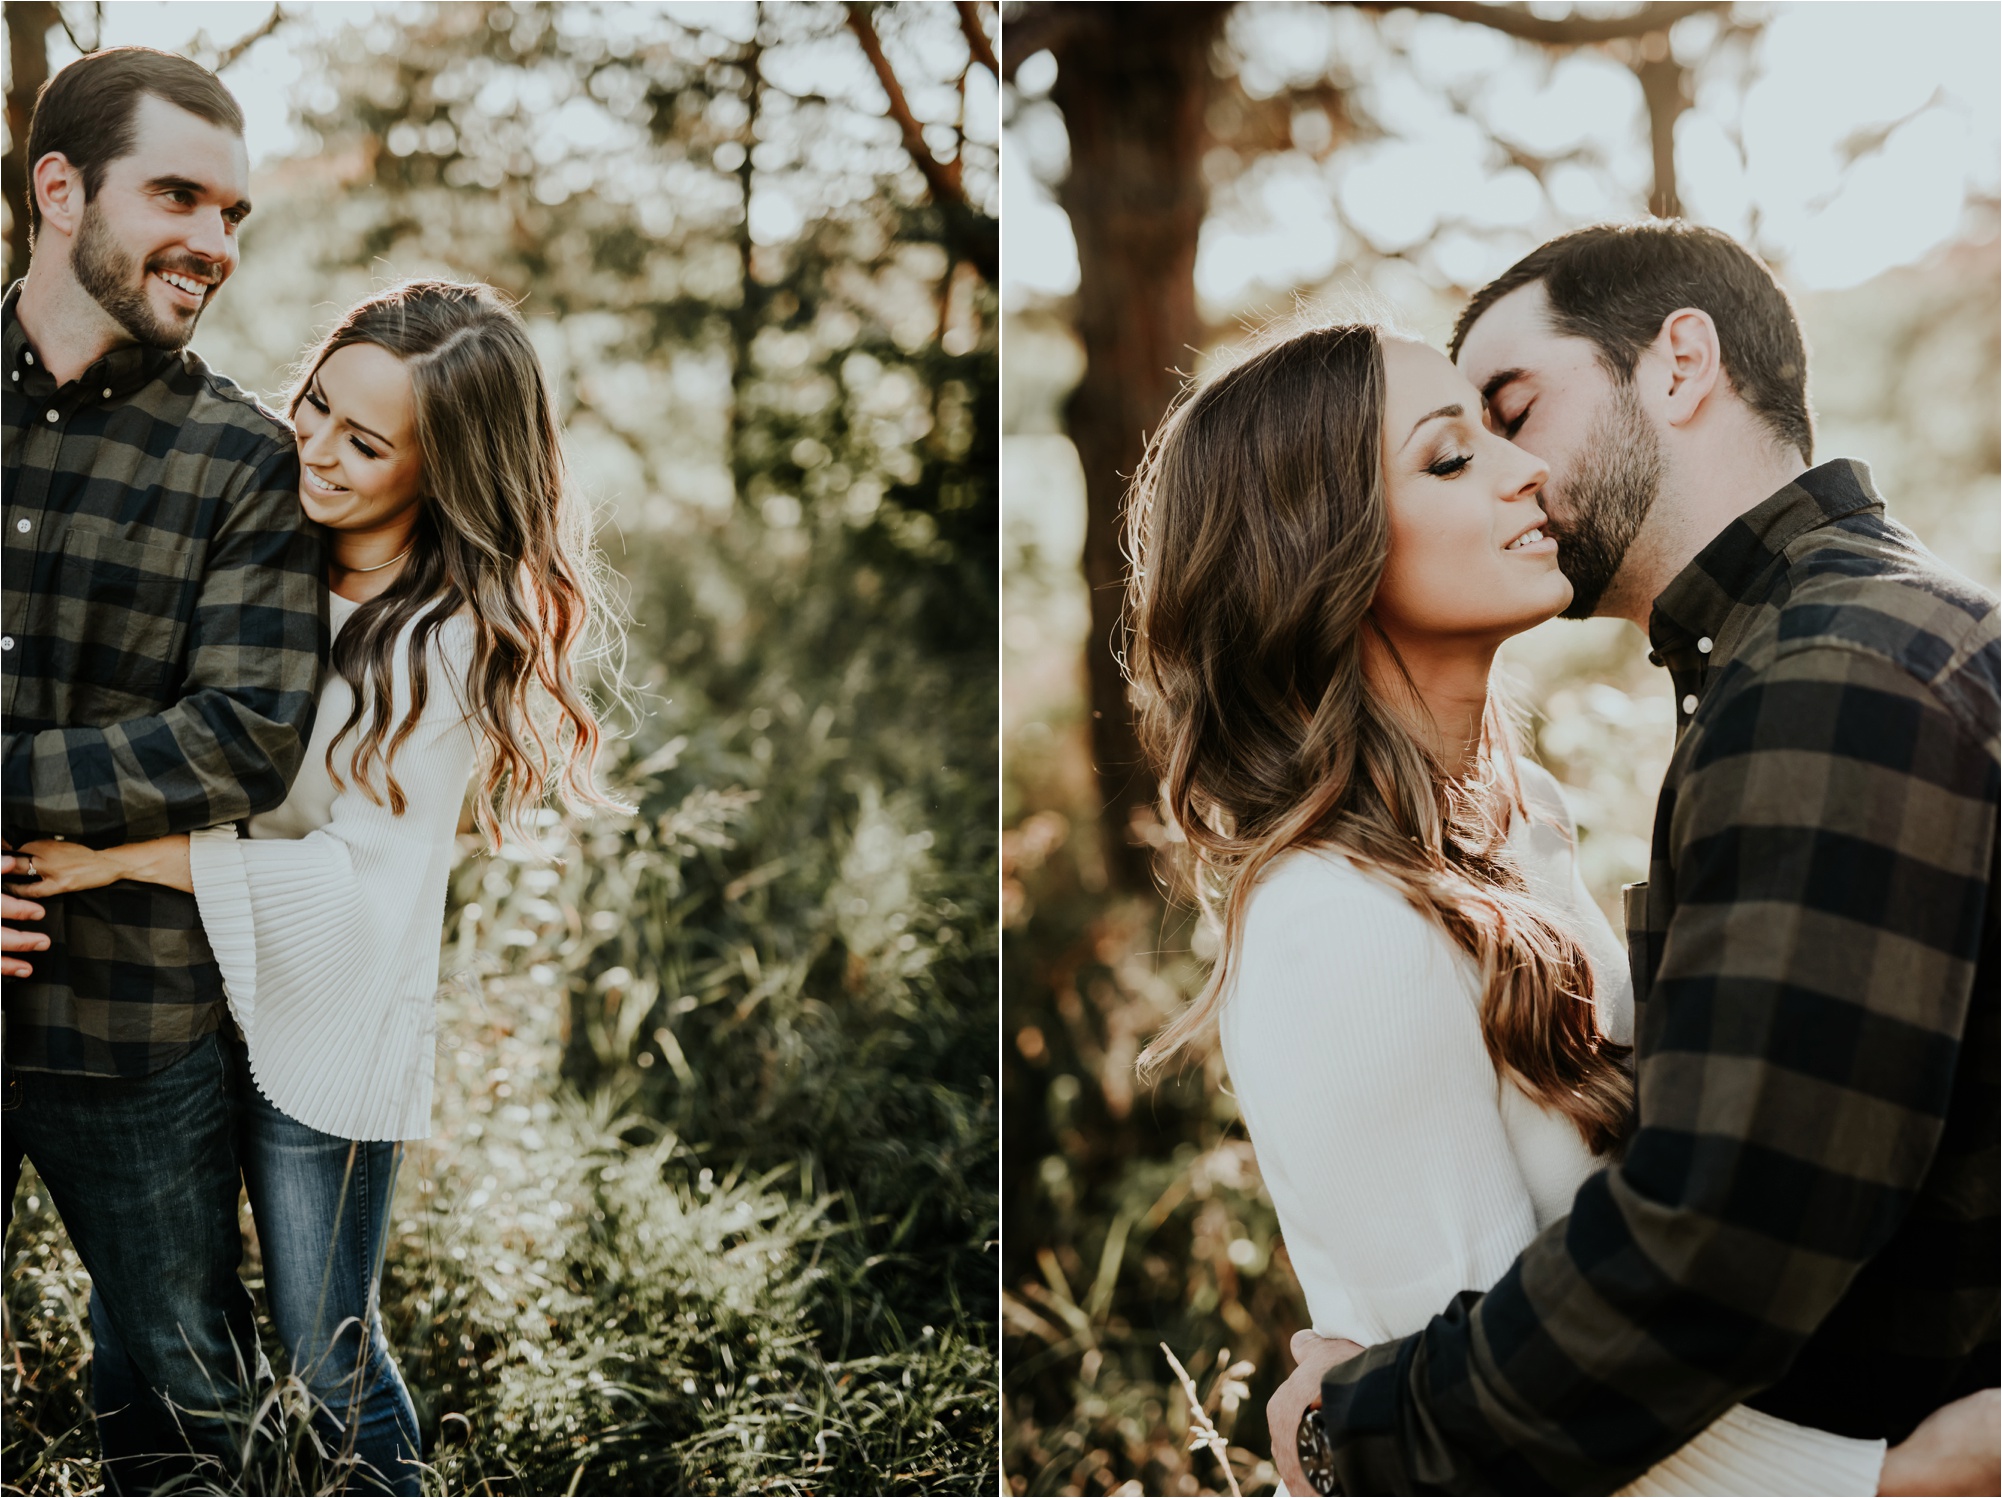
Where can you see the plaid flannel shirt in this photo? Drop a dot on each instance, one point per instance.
(163, 620)
(1805, 1219)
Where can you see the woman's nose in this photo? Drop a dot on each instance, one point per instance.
(1535, 475)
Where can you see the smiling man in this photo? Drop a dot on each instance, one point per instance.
(162, 627)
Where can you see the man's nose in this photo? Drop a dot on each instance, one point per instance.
(209, 238)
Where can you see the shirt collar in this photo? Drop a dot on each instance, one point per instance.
(1730, 573)
(120, 372)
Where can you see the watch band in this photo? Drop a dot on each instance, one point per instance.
(1317, 1456)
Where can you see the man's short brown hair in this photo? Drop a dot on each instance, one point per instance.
(1615, 284)
(86, 111)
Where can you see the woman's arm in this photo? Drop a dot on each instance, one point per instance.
(63, 868)
(1352, 1035)
(328, 943)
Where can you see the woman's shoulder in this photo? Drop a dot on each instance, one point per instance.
(1331, 952)
(1321, 878)
(448, 649)
(1544, 792)
(1318, 910)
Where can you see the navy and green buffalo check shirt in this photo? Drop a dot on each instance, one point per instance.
(163, 619)
(1805, 1217)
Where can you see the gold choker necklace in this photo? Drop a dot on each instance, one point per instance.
(390, 563)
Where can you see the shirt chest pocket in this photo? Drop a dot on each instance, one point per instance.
(122, 607)
(1640, 952)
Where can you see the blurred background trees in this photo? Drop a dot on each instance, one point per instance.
(1178, 178)
(712, 1202)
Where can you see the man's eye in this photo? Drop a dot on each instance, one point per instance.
(1511, 426)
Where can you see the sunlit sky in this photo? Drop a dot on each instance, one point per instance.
(1824, 74)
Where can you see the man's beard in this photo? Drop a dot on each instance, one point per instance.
(116, 281)
(1612, 487)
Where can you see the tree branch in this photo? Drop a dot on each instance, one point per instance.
(96, 32)
(1039, 28)
(1564, 31)
(971, 232)
(940, 176)
(237, 48)
(976, 36)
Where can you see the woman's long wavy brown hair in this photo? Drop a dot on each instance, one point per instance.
(500, 536)
(1258, 533)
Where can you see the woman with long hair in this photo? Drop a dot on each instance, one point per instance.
(464, 600)
(1425, 1018)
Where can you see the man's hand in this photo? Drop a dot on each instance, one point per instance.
(11, 911)
(1315, 1356)
(1956, 1449)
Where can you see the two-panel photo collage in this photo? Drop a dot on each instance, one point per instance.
(1028, 748)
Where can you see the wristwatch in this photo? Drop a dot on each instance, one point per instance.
(1317, 1456)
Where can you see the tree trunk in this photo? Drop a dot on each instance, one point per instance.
(1665, 87)
(1134, 83)
(28, 23)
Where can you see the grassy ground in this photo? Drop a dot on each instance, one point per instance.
(710, 1204)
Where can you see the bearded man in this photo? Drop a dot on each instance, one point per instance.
(162, 628)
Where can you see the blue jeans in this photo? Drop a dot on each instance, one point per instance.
(322, 1206)
(144, 1173)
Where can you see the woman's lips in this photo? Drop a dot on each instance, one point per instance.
(1536, 541)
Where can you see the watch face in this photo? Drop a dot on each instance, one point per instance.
(1317, 1457)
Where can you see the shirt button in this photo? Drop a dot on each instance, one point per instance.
(28, 356)
(6, 642)
(52, 416)
(1703, 644)
(15, 375)
(107, 392)
(23, 526)
(1689, 703)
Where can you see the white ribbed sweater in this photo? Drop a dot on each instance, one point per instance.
(326, 919)
(1403, 1167)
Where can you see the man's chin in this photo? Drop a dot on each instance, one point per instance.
(1579, 608)
(162, 328)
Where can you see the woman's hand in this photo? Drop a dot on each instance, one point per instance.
(1315, 1355)
(1956, 1449)
(64, 868)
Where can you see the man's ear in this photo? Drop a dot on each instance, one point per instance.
(1687, 354)
(59, 192)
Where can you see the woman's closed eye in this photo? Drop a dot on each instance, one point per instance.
(1450, 465)
(318, 403)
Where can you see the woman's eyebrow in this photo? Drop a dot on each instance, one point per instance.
(1456, 409)
(366, 432)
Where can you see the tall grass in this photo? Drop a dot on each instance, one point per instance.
(711, 1202)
